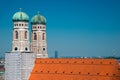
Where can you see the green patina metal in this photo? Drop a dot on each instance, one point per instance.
(20, 16)
(38, 19)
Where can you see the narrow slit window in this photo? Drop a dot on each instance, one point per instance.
(16, 34)
(43, 36)
(35, 36)
(25, 34)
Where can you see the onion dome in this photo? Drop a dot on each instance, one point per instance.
(20, 16)
(38, 19)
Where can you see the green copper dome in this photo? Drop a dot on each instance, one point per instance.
(38, 19)
(20, 16)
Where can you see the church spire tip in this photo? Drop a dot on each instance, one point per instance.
(38, 12)
(20, 9)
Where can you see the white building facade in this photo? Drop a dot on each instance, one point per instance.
(18, 65)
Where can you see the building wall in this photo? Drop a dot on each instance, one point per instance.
(21, 43)
(19, 65)
(39, 44)
(75, 69)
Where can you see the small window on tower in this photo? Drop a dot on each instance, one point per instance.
(33, 27)
(26, 49)
(43, 49)
(16, 48)
(22, 24)
(35, 36)
(16, 34)
(25, 34)
(43, 36)
(19, 24)
(25, 24)
(43, 27)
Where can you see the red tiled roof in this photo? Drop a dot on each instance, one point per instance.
(75, 69)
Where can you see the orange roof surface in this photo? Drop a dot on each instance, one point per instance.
(75, 69)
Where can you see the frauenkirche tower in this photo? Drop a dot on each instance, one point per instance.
(20, 61)
(20, 32)
(39, 45)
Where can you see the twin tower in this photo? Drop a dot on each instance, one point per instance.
(21, 42)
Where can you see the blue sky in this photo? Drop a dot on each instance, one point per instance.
(74, 27)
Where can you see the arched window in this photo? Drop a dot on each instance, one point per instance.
(25, 34)
(35, 36)
(43, 36)
(16, 34)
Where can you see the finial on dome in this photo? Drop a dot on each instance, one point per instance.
(20, 9)
(38, 12)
